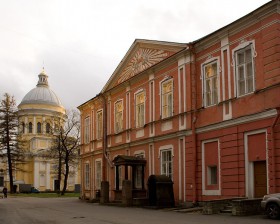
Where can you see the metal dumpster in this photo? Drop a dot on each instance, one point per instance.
(160, 191)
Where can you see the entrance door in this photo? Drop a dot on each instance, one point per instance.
(260, 179)
(1, 181)
(56, 185)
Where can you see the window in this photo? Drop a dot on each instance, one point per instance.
(212, 175)
(210, 83)
(138, 172)
(48, 128)
(87, 129)
(118, 116)
(138, 177)
(98, 175)
(210, 159)
(87, 176)
(99, 124)
(119, 173)
(166, 98)
(30, 129)
(140, 109)
(244, 70)
(23, 129)
(39, 127)
(166, 163)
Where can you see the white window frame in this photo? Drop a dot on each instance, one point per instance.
(204, 190)
(87, 130)
(164, 171)
(120, 113)
(87, 176)
(98, 174)
(168, 95)
(239, 48)
(99, 124)
(213, 60)
(141, 105)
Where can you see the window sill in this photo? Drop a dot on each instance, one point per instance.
(140, 128)
(167, 118)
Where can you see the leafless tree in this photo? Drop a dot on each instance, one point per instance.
(65, 147)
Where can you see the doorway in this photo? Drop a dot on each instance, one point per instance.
(260, 179)
(56, 185)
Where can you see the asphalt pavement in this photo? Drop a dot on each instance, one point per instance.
(28, 210)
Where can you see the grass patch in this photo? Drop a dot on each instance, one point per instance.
(46, 195)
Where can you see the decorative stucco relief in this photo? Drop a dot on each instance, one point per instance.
(143, 59)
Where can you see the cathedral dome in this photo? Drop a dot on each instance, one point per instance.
(42, 94)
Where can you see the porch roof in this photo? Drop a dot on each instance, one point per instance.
(128, 160)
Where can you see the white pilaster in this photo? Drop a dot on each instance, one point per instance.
(36, 174)
(34, 125)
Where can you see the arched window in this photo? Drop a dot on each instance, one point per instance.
(48, 128)
(23, 127)
(39, 129)
(30, 127)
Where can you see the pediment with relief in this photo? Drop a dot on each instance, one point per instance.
(143, 59)
(142, 55)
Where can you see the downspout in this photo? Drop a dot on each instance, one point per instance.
(194, 119)
(105, 158)
(274, 149)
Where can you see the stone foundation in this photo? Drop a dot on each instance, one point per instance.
(246, 207)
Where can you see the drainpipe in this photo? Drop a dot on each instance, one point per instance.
(105, 157)
(194, 119)
(273, 148)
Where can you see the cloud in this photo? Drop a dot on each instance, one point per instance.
(80, 43)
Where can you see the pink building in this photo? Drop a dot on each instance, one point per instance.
(204, 113)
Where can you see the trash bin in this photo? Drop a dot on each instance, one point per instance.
(97, 194)
(77, 188)
(160, 191)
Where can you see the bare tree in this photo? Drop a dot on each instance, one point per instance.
(10, 143)
(65, 147)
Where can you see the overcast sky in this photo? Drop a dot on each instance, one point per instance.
(81, 42)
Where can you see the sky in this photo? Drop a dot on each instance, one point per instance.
(81, 42)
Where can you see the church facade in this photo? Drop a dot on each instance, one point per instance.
(39, 112)
(204, 113)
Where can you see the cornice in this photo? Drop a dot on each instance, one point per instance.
(151, 140)
(40, 112)
(238, 25)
